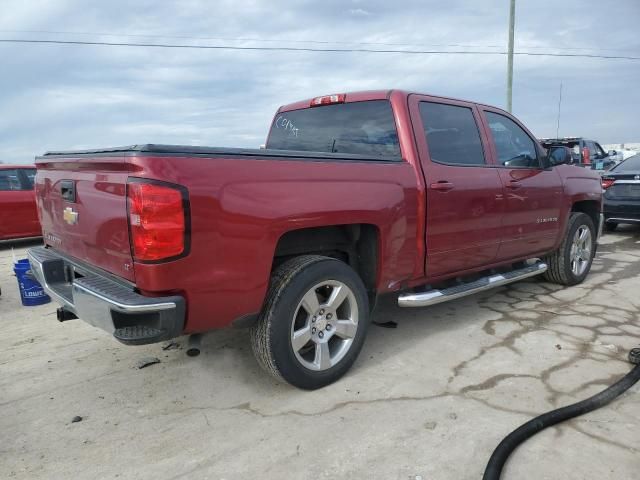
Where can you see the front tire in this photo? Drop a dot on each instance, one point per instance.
(314, 322)
(570, 264)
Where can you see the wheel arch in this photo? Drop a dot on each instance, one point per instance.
(356, 244)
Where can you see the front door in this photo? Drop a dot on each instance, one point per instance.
(534, 195)
(465, 201)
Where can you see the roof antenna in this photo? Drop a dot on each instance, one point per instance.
(559, 104)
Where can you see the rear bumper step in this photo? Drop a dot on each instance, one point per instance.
(131, 318)
(433, 297)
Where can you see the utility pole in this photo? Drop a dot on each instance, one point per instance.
(512, 21)
(559, 105)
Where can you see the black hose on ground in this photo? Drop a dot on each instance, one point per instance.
(522, 433)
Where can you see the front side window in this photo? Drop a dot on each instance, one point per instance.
(365, 128)
(452, 134)
(9, 180)
(514, 147)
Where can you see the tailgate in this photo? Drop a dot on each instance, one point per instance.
(83, 209)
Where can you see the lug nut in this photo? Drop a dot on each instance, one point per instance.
(329, 316)
(313, 319)
(321, 312)
(328, 326)
(313, 330)
(321, 334)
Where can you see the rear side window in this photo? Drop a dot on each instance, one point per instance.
(631, 164)
(452, 134)
(10, 180)
(514, 147)
(365, 128)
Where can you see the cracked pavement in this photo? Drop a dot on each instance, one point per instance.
(431, 398)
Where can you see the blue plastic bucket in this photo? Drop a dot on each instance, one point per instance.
(31, 292)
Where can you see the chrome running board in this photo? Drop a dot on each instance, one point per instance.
(432, 297)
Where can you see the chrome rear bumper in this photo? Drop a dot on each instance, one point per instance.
(106, 303)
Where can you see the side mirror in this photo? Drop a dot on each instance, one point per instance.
(559, 156)
(612, 153)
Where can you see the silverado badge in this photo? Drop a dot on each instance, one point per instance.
(70, 216)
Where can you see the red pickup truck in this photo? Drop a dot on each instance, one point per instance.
(356, 195)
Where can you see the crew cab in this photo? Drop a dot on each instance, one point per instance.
(355, 195)
(18, 212)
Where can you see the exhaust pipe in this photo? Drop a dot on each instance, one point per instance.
(193, 348)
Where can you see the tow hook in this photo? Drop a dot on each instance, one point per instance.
(64, 315)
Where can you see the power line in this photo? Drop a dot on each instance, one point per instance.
(320, 42)
(309, 49)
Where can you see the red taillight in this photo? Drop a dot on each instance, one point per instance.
(607, 182)
(328, 100)
(586, 156)
(157, 219)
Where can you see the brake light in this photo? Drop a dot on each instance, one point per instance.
(607, 182)
(157, 220)
(328, 99)
(586, 158)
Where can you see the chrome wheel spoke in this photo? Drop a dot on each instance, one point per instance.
(584, 233)
(338, 296)
(310, 302)
(322, 358)
(346, 328)
(301, 338)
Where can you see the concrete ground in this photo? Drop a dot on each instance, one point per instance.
(429, 399)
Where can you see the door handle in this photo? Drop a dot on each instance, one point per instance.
(513, 184)
(442, 186)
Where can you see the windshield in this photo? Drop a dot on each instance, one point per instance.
(366, 128)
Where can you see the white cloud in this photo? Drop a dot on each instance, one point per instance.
(60, 97)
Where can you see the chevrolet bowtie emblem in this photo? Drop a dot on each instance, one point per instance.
(70, 216)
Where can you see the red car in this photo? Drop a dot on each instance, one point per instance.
(18, 211)
(356, 195)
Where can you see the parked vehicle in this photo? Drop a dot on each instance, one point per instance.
(622, 193)
(355, 195)
(18, 212)
(587, 153)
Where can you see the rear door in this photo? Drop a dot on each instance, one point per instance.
(465, 201)
(18, 215)
(533, 195)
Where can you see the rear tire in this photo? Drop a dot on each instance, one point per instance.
(610, 226)
(314, 322)
(570, 264)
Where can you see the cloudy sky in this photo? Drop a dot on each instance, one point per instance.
(69, 96)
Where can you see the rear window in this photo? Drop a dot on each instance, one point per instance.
(631, 164)
(365, 128)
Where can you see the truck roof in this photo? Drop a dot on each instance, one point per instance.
(364, 95)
